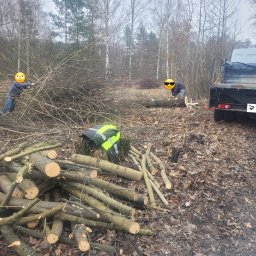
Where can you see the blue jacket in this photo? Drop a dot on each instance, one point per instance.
(177, 88)
(17, 88)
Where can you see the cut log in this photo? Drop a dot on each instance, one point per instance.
(65, 240)
(55, 232)
(27, 186)
(80, 235)
(110, 187)
(127, 210)
(57, 226)
(17, 244)
(167, 182)
(159, 193)
(30, 151)
(160, 103)
(65, 164)
(52, 154)
(13, 151)
(16, 215)
(99, 224)
(136, 150)
(20, 203)
(124, 223)
(33, 224)
(47, 213)
(77, 176)
(150, 166)
(118, 170)
(147, 181)
(6, 184)
(45, 165)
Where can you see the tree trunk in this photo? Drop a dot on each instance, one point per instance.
(118, 170)
(45, 165)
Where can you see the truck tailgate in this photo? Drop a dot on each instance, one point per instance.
(238, 96)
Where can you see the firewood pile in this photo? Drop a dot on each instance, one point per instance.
(40, 192)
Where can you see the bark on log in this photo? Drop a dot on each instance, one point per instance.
(127, 210)
(18, 245)
(47, 213)
(77, 176)
(159, 193)
(20, 203)
(27, 186)
(51, 154)
(57, 226)
(167, 182)
(16, 215)
(33, 224)
(110, 187)
(65, 240)
(118, 170)
(55, 232)
(13, 151)
(8, 195)
(150, 166)
(80, 235)
(136, 150)
(147, 182)
(45, 165)
(65, 164)
(99, 224)
(6, 184)
(124, 223)
(30, 151)
(154, 103)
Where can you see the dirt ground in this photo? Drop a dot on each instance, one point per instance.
(212, 203)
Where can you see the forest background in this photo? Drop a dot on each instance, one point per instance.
(123, 40)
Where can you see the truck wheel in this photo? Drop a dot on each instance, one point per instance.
(218, 115)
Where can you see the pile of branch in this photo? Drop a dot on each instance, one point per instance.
(40, 190)
(144, 162)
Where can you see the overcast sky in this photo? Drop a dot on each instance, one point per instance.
(248, 31)
(244, 15)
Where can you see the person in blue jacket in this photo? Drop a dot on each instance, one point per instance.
(176, 87)
(15, 91)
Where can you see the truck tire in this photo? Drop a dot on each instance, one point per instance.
(218, 115)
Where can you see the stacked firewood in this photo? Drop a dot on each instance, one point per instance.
(38, 188)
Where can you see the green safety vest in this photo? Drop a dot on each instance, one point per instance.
(107, 137)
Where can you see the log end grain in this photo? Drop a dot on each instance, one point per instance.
(168, 186)
(134, 228)
(93, 174)
(52, 169)
(33, 224)
(7, 159)
(31, 193)
(52, 154)
(84, 246)
(52, 238)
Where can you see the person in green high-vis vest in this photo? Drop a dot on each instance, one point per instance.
(106, 137)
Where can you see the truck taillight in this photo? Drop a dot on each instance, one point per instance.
(224, 106)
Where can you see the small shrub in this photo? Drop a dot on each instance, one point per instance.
(148, 83)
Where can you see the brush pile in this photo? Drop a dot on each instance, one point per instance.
(38, 190)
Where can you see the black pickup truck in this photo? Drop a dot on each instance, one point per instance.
(236, 93)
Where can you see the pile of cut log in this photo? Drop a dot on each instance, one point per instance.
(39, 193)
